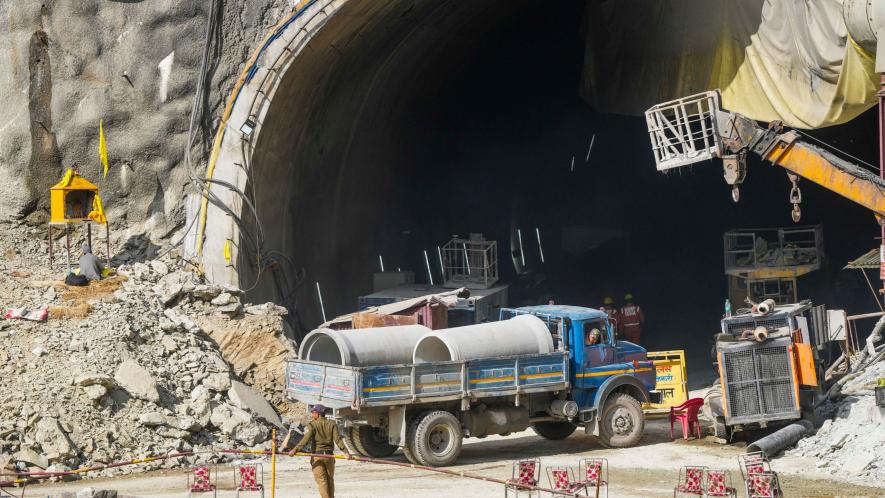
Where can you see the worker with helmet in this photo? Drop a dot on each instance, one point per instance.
(608, 307)
(323, 433)
(631, 319)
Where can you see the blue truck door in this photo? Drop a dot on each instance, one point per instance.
(597, 346)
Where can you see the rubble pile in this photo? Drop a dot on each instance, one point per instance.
(136, 376)
(852, 442)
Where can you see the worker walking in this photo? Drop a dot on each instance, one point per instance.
(323, 433)
(632, 319)
(608, 307)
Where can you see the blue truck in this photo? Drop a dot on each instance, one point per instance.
(590, 380)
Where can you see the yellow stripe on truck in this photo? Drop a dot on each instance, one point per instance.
(612, 372)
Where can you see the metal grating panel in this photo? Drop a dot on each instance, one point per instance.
(738, 327)
(758, 379)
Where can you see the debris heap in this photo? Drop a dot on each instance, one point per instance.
(852, 442)
(132, 375)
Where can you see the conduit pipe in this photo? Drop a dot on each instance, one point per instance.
(773, 443)
(522, 334)
(362, 347)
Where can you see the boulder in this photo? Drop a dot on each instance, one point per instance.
(152, 419)
(217, 382)
(250, 434)
(232, 310)
(228, 418)
(54, 440)
(188, 423)
(250, 400)
(222, 299)
(159, 267)
(30, 457)
(266, 309)
(96, 392)
(206, 292)
(137, 381)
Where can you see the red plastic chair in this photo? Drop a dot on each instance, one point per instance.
(687, 415)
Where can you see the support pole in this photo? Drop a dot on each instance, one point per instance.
(89, 234)
(881, 221)
(50, 246)
(68, 244)
(107, 240)
(273, 464)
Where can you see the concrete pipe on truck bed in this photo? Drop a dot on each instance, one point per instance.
(362, 347)
(522, 334)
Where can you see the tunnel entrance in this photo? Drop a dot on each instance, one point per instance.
(404, 123)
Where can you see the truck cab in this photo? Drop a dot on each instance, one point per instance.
(609, 378)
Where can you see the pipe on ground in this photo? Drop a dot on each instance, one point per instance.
(773, 443)
(522, 334)
(362, 347)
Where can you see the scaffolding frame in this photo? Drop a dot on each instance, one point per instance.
(470, 262)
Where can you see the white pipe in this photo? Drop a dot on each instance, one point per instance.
(381, 262)
(522, 334)
(521, 252)
(540, 249)
(427, 265)
(442, 267)
(320, 298)
(362, 347)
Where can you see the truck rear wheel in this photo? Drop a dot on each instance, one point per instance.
(437, 439)
(554, 431)
(372, 441)
(622, 421)
(408, 449)
(350, 442)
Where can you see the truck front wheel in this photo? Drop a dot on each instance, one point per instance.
(554, 430)
(622, 421)
(437, 439)
(372, 442)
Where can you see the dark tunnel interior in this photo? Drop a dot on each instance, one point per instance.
(406, 123)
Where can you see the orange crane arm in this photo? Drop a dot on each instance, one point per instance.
(829, 171)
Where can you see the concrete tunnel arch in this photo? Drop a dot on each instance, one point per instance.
(282, 111)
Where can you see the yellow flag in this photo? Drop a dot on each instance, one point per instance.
(102, 148)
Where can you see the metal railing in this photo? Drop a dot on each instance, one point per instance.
(684, 131)
(751, 249)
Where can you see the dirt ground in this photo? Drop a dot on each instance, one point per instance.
(647, 470)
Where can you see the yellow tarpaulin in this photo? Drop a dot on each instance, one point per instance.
(773, 60)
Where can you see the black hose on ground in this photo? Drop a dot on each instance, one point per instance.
(773, 443)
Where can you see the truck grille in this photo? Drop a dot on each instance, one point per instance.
(758, 381)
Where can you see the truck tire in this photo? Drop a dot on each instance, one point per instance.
(437, 439)
(350, 442)
(554, 431)
(372, 442)
(408, 450)
(621, 422)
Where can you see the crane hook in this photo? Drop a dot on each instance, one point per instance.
(795, 198)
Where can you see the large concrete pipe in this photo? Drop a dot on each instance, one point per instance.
(523, 334)
(362, 347)
(786, 437)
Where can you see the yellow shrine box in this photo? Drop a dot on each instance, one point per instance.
(75, 199)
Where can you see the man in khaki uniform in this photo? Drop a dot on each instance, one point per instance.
(322, 432)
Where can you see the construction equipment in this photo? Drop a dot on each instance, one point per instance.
(696, 128)
(770, 372)
(533, 368)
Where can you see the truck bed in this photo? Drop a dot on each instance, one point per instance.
(339, 386)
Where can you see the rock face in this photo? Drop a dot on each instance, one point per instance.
(135, 70)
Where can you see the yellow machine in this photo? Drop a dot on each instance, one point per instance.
(75, 201)
(671, 380)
